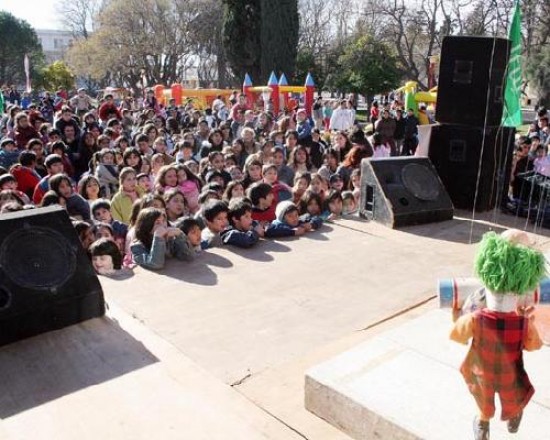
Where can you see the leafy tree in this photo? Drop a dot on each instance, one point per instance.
(18, 38)
(368, 67)
(57, 75)
(306, 63)
(322, 66)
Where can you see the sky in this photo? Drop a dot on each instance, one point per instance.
(39, 13)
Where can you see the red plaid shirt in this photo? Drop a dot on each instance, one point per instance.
(496, 354)
(494, 363)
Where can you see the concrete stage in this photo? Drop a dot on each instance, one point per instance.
(217, 349)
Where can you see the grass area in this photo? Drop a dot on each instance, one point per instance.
(362, 116)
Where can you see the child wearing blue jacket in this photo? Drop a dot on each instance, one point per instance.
(287, 222)
(242, 232)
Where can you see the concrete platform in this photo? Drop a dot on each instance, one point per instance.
(238, 312)
(112, 378)
(405, 384)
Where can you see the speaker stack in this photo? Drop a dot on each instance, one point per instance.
(46, 278)
(469, 149)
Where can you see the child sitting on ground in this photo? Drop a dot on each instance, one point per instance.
(106, 256)
(192, 229)
(263, 207)
(281, 191)
(234, 189)
(301, 183)
(144, 182)
(128, 193)
(332, 205)
(311, 203)
(8, 181)
(155, 241)
(349, 204)
(103, 230)
(215, 217)
(190, 186)
(107, 173)
(243, 231)
(318, 185)
(101, 212)
(287, 222)
(85, 233)
(355, 180)
(76, 205)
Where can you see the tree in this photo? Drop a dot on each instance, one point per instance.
(138, 42)
(316, 31)
(537, 71)
(211, 59)
(415, 30)
(279, 37)
(57, 75)
(241, 37)
(261, 36)
(18, 38)
(78, 16)
(367, 67)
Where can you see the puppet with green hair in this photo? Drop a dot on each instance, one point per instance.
(509, 268)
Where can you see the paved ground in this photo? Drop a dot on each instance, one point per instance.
(244, 324)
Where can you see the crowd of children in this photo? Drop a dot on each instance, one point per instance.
(170, 181)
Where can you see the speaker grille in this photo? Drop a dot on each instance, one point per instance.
(420, 181)
(5, 298)
(37, 258)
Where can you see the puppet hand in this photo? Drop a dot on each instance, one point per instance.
(527, 311)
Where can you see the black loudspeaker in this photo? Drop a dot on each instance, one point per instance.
(457, 152)
(401, 191)
(46, 279)
(471, 80)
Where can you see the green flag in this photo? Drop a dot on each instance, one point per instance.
(511, 116)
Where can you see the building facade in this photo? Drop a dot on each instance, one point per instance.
(55, 43)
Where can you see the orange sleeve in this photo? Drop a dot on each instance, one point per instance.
(532, 340)
(463, 329)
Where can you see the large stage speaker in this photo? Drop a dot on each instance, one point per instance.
(456, 153)
(401, 191)
(471, 80)
(46, 279)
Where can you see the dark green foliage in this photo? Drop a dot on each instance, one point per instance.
(306, 63)
(241, 37)
(261, 36)
(279, 37)
(16, 39)
(367, 67)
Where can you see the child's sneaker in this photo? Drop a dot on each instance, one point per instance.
(513, 423)
(481, 429)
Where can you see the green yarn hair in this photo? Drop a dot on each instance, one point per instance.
(506, 267)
